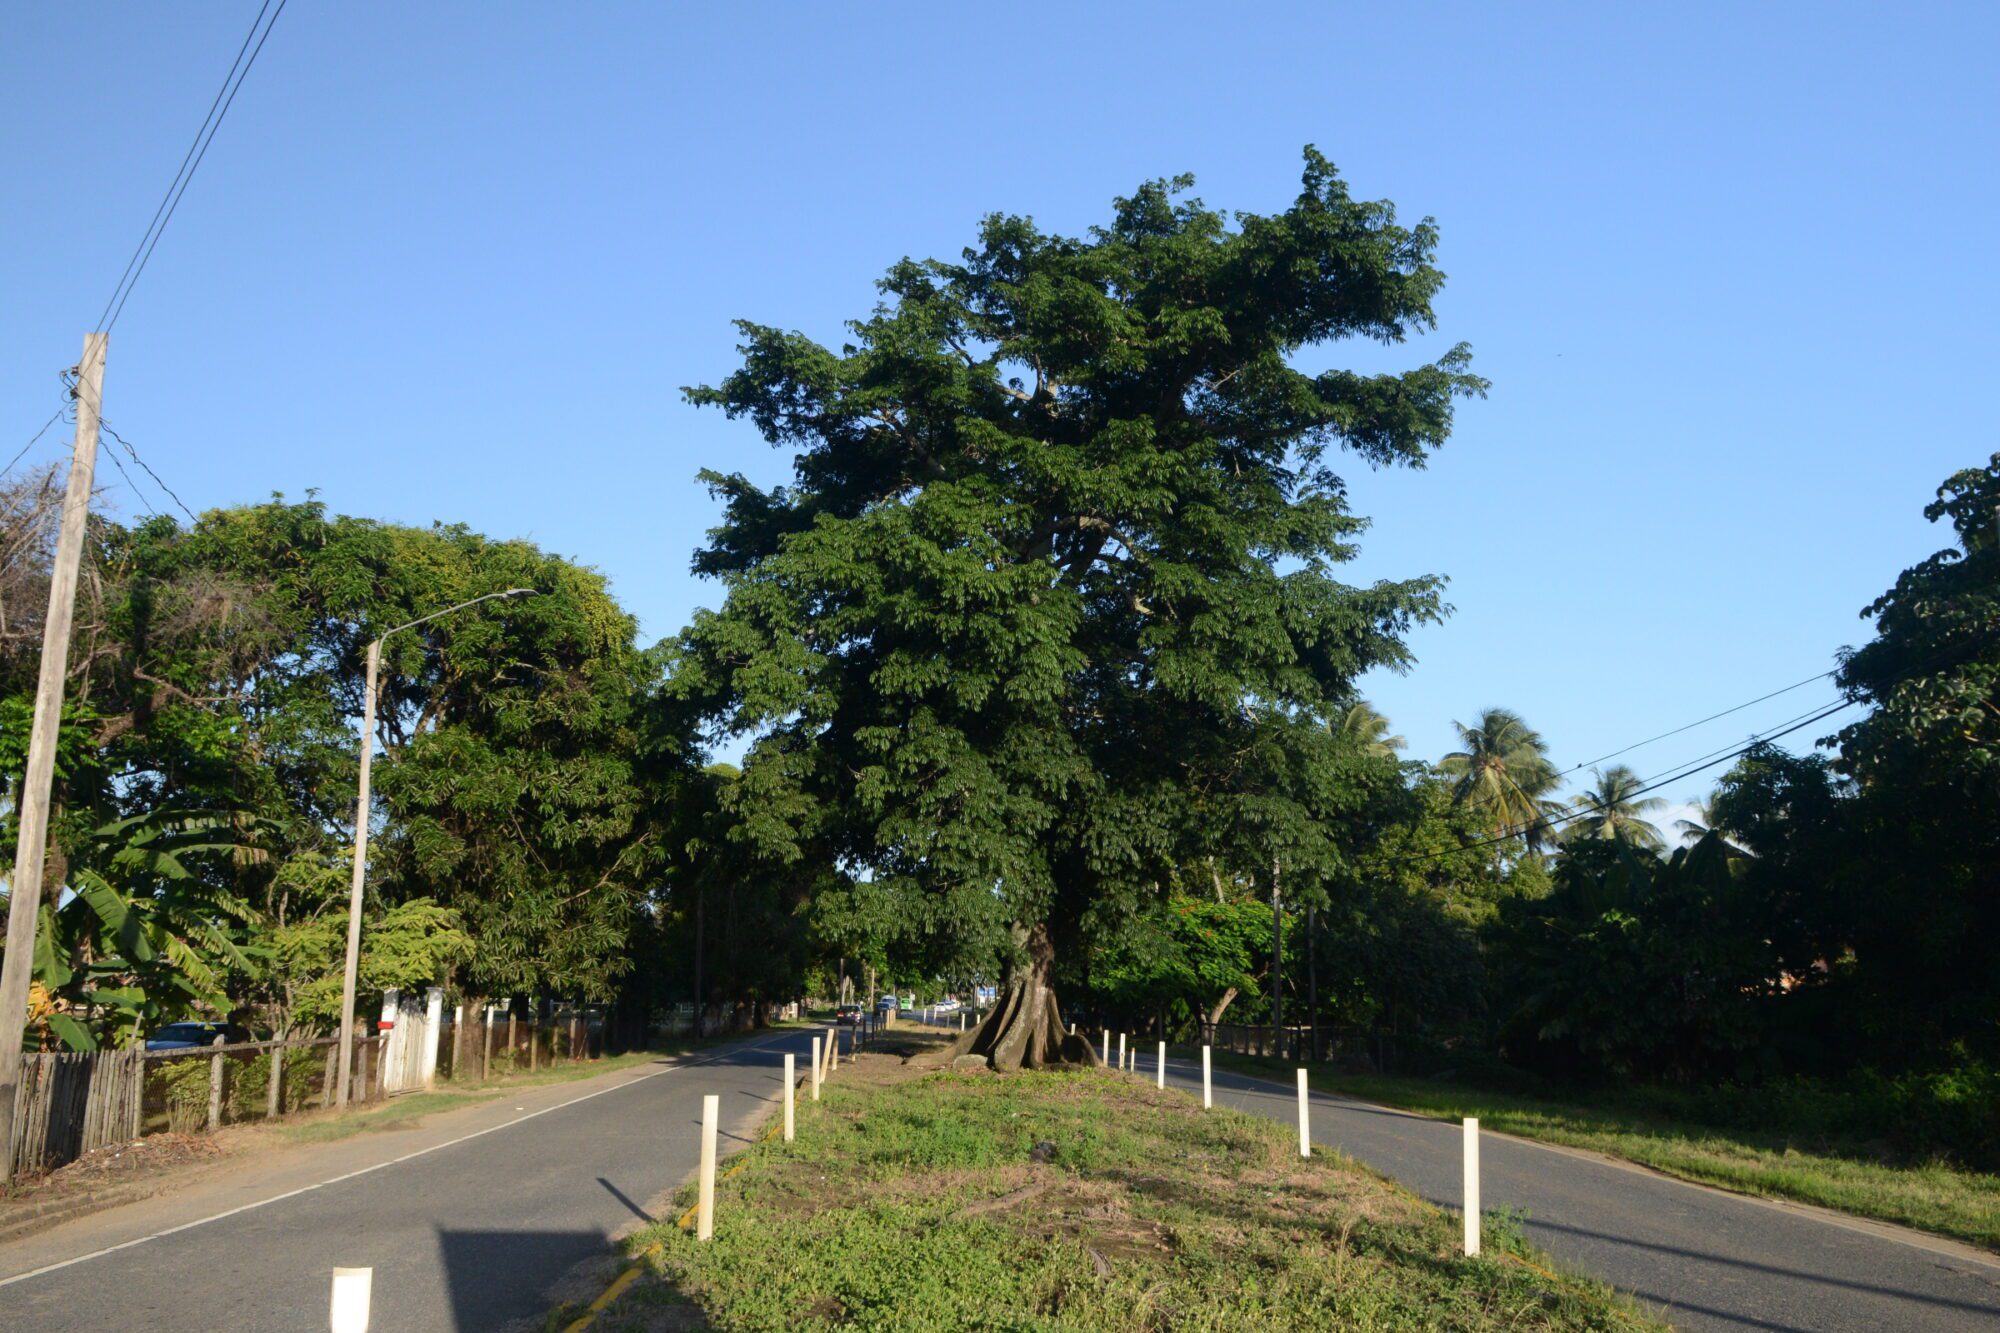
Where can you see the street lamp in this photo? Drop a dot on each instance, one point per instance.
(361, 833)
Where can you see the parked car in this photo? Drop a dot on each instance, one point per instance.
(948, 1005)
(185, 1036)
(848, 1015)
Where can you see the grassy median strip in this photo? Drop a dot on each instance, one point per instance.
(1849, 1177)
(1075, 1201)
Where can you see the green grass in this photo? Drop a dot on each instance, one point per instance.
(1852, 1176)
(917, 1206)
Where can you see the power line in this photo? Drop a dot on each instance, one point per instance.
(1685, 771)
(136, 492)
(37, 439)
(127, 446)
(1692, 725)
(225, 97)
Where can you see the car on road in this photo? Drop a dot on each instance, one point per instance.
(848, 1015)
(947, 1005)
(187, 1036)
(887, 1004)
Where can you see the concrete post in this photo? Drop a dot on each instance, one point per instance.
(1471, 1186)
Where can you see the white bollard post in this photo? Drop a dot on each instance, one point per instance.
(1207, 1093)
(349, 1312)
(791, 1077)
(1471, 1186)
(1305, 1120)
(704, 1218)
(832, 1049)
(815, 1068)
(1121, 1051)
(961, 1020)
(1107, 1046)
(1160, 1074)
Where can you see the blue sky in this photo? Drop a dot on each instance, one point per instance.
(1728, 268)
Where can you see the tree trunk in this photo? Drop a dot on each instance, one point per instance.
(1222, 1005)
(1025, 1030)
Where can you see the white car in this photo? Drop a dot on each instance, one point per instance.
(946, 1006)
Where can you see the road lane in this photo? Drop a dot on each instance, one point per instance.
(476, 1233)
(1703, 1259)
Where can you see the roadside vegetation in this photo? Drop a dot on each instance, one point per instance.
(1760, 1142)
(919, 1200)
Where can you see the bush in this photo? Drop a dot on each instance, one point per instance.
(186, 1083)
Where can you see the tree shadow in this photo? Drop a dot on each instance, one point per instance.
(497, 1278)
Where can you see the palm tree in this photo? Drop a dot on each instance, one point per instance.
(1369, 730)
(1612, 810)
(1504, 770)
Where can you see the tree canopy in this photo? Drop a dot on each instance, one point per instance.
(1053, 586)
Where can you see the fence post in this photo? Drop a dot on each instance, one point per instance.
(1471, 1186)
(349, 1308)
(138, 1090)
(362, 1050)
(815, 1068)
(791, 1078)
(511, 1064)
(1207, 1093)
(705, 1202)
(1160, 1075)
(1305, 1119)
(534, 1045)
(486, 1053)
(215, 1088)
(272, 1093)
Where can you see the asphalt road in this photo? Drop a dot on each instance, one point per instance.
(506, 1210)
(1701, 1259)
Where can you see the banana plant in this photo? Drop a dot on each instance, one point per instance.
(148, 929)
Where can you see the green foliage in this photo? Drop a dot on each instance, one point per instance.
(1049, 611)
(1186, 958)
(1505, 773)
(1925, 819)
(1636, 965)
(514, 836)
(152, 931)
(1613, 810)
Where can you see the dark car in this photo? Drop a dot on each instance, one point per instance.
(848, 1015)
(185, 1036)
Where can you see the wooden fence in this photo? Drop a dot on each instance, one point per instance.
(68, 1104)
(71, 1103)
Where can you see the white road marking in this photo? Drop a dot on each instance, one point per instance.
(366, 1170)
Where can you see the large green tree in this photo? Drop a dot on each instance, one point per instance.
(1926, 765)
(1503, 770)
(1049, 609)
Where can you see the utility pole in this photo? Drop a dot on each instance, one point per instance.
(359, 879)
(1312, 977)
(24, 902)
(1277, 963)
(698, 950)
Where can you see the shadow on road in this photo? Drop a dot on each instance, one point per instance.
(625, 1199)
(498, 1277)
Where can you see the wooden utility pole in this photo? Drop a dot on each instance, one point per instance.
(24, 902)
